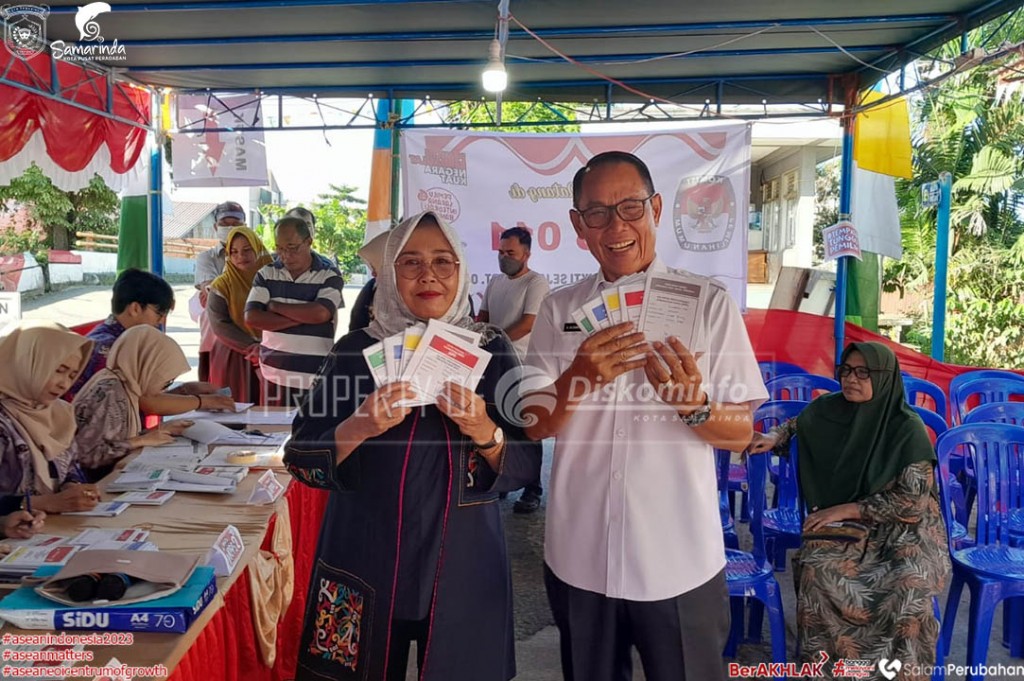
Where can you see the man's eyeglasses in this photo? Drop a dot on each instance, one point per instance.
(411, 268)
(159, 313)
(290, 250)
(844, 370)
(629, 210)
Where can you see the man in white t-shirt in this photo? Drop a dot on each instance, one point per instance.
(511, 302)
(633, 548)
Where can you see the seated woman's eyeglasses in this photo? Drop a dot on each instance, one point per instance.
(410, 268)
(844, 370)
(629, 210)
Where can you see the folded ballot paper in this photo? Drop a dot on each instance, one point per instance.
(660, 304)
(428, 357)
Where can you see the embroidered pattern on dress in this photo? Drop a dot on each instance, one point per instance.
(310, 476)
(339, 614)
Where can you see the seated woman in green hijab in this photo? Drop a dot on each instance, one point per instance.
(865, 461)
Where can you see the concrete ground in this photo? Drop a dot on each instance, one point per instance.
(536, 637)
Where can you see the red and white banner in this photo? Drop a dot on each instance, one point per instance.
(218, 159)
(485, 183)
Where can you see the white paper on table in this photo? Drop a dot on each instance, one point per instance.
(266, 457)
(610, 297)
(596, 313)
(195, 415)
(270, 416)
(155, 498)
(94, 536)
(106, 509)
(393, 356)
(198, 487)
(581, 320)
(673, 306)
(441, 358)
(210, 432)
(375, 360)
(37, 540)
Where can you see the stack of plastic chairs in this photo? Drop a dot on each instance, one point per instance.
(722, 458)
(959, 400)
(782, 522)
(993, 569)
(918, 388)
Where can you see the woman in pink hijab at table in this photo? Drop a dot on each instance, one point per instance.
(40, 361)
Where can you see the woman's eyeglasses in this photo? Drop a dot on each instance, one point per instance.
(411, 268)
(844, 370)
(628, 210)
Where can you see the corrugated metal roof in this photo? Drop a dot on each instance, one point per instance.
(187, 214)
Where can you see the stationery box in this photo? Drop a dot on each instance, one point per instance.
(172, 615)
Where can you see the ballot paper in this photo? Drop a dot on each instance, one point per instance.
(375, 360)
(631, 302)
(138, 480)
(240, 407)
(673, 306)
(393, 356)
(94, 536)
(157, 498)
(596, 313)
(209, 432)
(610, 297)
(580, 317)
(411, 338)
(440, 358)
(106, 509)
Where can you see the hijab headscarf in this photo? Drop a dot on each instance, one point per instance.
(30, 355)
(847, 450)
(144, 360)
(235, 284)
(392, 315)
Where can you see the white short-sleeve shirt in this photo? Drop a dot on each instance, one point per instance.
(633, 501)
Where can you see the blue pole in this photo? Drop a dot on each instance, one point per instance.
(845, 187)
(941, 269)
(156, 216)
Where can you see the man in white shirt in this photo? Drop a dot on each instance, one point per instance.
(633, 548)
(511, 302)
(209, 266)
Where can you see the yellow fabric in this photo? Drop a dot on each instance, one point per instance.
(145, 360)
(881, 141)
(30, 355)
(272, 582)
(235, 284)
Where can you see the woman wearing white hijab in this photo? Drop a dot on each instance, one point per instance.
(412, 546)
(40, 361)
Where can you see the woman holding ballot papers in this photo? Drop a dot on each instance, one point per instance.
(874, 546)
(412, 546)
(236, 355)
(41, 360)
(142, 362)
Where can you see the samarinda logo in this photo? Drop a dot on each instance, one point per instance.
(91, 45)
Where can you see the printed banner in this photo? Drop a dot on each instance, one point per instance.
(841, 239)
(485, 183)
(218, 159)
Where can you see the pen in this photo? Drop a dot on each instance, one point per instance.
(28, 502)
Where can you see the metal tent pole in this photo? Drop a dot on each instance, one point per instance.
(845, 187)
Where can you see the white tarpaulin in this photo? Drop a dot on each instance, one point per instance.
(218, 159)
(484, 183)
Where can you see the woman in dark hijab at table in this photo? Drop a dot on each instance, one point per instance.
(412, 546)
(874, 550)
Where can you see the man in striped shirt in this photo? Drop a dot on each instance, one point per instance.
(294, 301)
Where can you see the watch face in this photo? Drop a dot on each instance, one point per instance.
(499, 436)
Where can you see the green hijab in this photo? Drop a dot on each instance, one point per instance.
(848, 451)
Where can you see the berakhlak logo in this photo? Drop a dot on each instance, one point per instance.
(704, 213)
(889, 668)
(523, 387)
(25, 29)
(85, 20)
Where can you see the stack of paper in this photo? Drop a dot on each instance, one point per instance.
(157, 498)
(104, 509)
(186, 481)
(240, 407)
(428, 357)
(136, 480)
(24, 560)
(660, 304)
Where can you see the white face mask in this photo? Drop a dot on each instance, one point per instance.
(222, 233)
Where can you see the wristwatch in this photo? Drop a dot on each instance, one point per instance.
(702, 413)
(496, 439)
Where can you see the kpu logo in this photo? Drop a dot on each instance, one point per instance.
(704, 213)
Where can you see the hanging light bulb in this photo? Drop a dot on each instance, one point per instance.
(495, 78)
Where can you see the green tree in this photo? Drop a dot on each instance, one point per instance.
(340, 226)
(561, 116)
(826, 204)
(63, 214)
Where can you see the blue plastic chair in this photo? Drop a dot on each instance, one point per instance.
(993, 569)
(723, 459)
(800, 387)
(770, 370)
(997, 412)
(916, 388)
(751, 575)
(937, 425)
(958, 382)
(782, 522)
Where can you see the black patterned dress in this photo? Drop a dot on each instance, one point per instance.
(874, 600)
